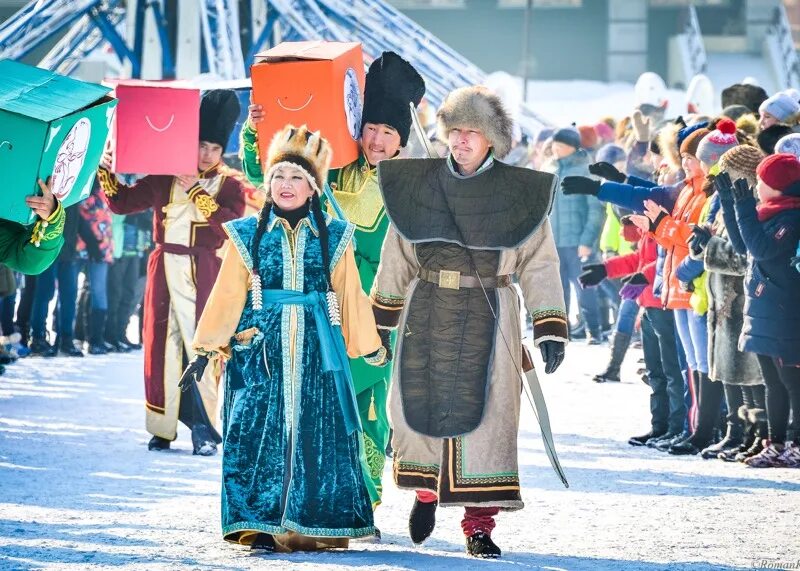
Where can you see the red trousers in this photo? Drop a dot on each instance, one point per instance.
(475, 519)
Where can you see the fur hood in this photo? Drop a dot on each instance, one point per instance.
(479, 108)
(668, 144)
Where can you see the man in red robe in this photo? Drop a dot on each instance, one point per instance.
(188, 213)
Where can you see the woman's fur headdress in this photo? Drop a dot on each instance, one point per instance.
(302, 149)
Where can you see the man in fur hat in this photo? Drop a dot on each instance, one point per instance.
(463, 229)
(188, 212)
(391, 84)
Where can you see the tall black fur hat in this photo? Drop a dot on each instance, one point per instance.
(391, 84)
(219, 111)
(751, 96)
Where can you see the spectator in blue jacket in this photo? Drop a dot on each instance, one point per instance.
(577, 221)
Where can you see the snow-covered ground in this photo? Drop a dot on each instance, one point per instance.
(80, 491)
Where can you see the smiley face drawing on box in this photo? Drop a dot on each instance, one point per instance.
(157, 128)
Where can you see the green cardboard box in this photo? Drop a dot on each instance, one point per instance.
(49, 125)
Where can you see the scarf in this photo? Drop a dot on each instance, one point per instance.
(775, 206)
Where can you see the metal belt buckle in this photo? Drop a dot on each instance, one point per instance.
(449, 279)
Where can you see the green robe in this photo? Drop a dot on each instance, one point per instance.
(31, 251)
(355, 187)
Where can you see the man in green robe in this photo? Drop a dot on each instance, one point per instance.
(391, 84)
(33, 250)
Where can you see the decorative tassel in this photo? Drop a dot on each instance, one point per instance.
(334, 314)
(372, 416)
(255, 290)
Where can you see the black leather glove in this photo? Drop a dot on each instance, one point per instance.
(607, 171)
(552, 355)
(724, 186)
(386, 341)
(580, 185)
(741, 190)
(699, 239)
(592, 275)
(193, 373)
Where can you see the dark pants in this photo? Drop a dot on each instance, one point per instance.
(93, 303)
(571, 268)
(7, 306)
(123, 279)
(667, 407)
(66, 274)
(783, 398)
(25, 306)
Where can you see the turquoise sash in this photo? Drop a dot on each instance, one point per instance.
(331, 343)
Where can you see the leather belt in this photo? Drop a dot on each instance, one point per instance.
(449, 279)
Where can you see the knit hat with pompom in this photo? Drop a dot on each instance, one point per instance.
(714, 145)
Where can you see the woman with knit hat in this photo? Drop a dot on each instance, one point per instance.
(737, 371)
(285, 313)
(769, 233)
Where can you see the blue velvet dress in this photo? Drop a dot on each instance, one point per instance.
(289, 461)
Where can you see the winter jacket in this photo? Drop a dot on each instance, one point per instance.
(95, 235)
(643, 260)
(611, 240)
(726, 298)
(576, 219)
(772, 308)
(672, 233)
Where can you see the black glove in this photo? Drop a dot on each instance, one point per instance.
(580, 185)
(592, 275)
(386, 341)
(607, 171)
(699, 239)
(724, 187)
(552, 355)
(741, 190)
(636, 279)
(193, 373)
(654, 223)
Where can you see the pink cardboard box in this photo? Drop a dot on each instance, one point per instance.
(157, 128)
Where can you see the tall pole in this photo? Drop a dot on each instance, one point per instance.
(526, 50)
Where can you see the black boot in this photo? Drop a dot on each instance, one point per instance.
(67, 348)
(748, 438)
(758, 416)
(96, 328)
(619, 346)
(732, 439)
(481, 545)
(263, 542)
(709, 398)
(158, 443)
(202, 441)
(422, 520)
(642, 440)
(41, 348)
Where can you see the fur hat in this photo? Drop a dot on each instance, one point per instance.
(713, 145)
(299, 148)
(219, 111)
(477, 107)
(392, 83)
(771, 135)
(748, 124)
(751, 96)
(667, 139)
(741, 162)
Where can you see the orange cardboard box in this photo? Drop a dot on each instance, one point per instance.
(316, 83)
